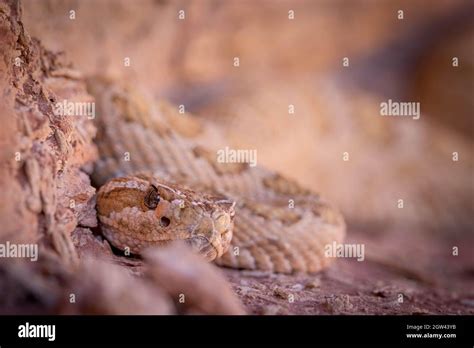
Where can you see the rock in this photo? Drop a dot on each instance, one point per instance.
(45, 154)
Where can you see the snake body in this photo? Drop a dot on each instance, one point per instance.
(158, 184)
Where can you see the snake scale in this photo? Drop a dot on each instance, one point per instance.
(158, 183)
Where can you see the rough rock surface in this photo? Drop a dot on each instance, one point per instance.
(45, 156)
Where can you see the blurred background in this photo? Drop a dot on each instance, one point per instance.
(404, 56)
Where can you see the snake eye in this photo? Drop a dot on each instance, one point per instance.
(152, 198)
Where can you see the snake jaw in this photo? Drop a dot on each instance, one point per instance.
(216, 231)
(203, 246)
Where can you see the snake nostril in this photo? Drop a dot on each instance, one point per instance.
(164, 221)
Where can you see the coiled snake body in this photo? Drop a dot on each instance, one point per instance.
(159, 184)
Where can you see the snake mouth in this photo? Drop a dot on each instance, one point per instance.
(202, 246)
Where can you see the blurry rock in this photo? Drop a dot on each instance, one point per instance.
(93, 287)
(31, 287)
(195, 285)
(444, 82)
(104, 288)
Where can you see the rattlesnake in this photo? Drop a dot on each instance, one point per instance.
(159, 183)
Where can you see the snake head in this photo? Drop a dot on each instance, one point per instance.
(140, 211)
